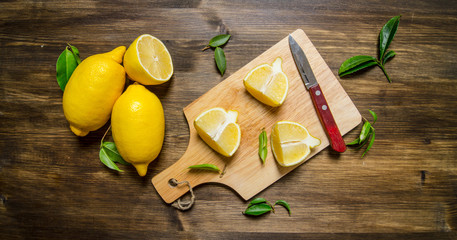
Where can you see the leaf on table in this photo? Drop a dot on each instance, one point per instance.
(105, 159)
(75, 52)
(219, 57)
(373, 114)
(389, 54)
(284, 204)
(356, 63)
(257, 201)
(111, 151)
(370, 144)
(219, 40)
(365, 131)
(386, 35)
(66, 64)
(355, 142)
(258, 209)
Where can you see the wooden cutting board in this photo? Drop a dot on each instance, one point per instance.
(244, 171)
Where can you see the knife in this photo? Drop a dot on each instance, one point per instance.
(321, 105)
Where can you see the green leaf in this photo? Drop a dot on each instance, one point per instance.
(284, 204)
(206, 166)
(219, 40)
(258, 209)
(365, 131)
(219, 56)
(386, 35)
(75, 52)
(389, 54)
(105, 159)
(65, 65)
(355, 142)
(355, 64)
(373, 114)
(263, 150)
(113, 154)
(370, 144)
(257, 201)
(361, 144)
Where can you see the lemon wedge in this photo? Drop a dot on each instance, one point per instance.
(268, 83)
(148, 61)
(291, 143)
(218, 128)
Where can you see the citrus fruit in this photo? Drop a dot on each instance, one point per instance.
(218, 128)
(92, 90)
(268, 83)
(291, 143)
(148, 61)
(138, 126)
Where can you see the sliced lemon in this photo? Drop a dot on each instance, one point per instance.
(268, 83)
(291, 143)
(148, 61)
(218, 128)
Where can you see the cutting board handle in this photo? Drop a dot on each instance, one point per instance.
(197, 152)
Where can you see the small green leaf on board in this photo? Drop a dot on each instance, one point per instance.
(206, 167)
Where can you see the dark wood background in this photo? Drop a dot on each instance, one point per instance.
(53, 186)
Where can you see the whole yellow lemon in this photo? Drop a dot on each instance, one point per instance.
(92, 90)
(138, 126)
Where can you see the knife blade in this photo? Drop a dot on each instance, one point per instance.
(319, 101)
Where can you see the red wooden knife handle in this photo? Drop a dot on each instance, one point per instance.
(327, 120)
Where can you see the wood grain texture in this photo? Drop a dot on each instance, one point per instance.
(52, 185)
(244, 172)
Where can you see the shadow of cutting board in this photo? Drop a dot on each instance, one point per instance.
(244, 171)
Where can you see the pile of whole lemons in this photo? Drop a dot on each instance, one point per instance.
(94, 93)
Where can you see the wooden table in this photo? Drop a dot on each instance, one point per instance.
(53, 186)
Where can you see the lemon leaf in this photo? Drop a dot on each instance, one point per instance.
(263, 145)
(355, 142)
(370, 144)
(284, 204)
(258, 209)
(365, 131)
(66, 64)
(257, 201)
(206, 166)
(105, 159)
(373, 114)
(386, 35)
(75, 52)
(113, 154)
(219, 56)
(219, 40)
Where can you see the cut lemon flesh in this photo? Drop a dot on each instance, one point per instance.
(148, 61)
(268, 83)
(218, 128)
(291, 143)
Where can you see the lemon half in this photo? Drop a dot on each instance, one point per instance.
(148, 61)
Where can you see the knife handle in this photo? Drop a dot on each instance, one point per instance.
(327, 120)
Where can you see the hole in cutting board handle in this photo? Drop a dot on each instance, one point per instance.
(172, 183)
